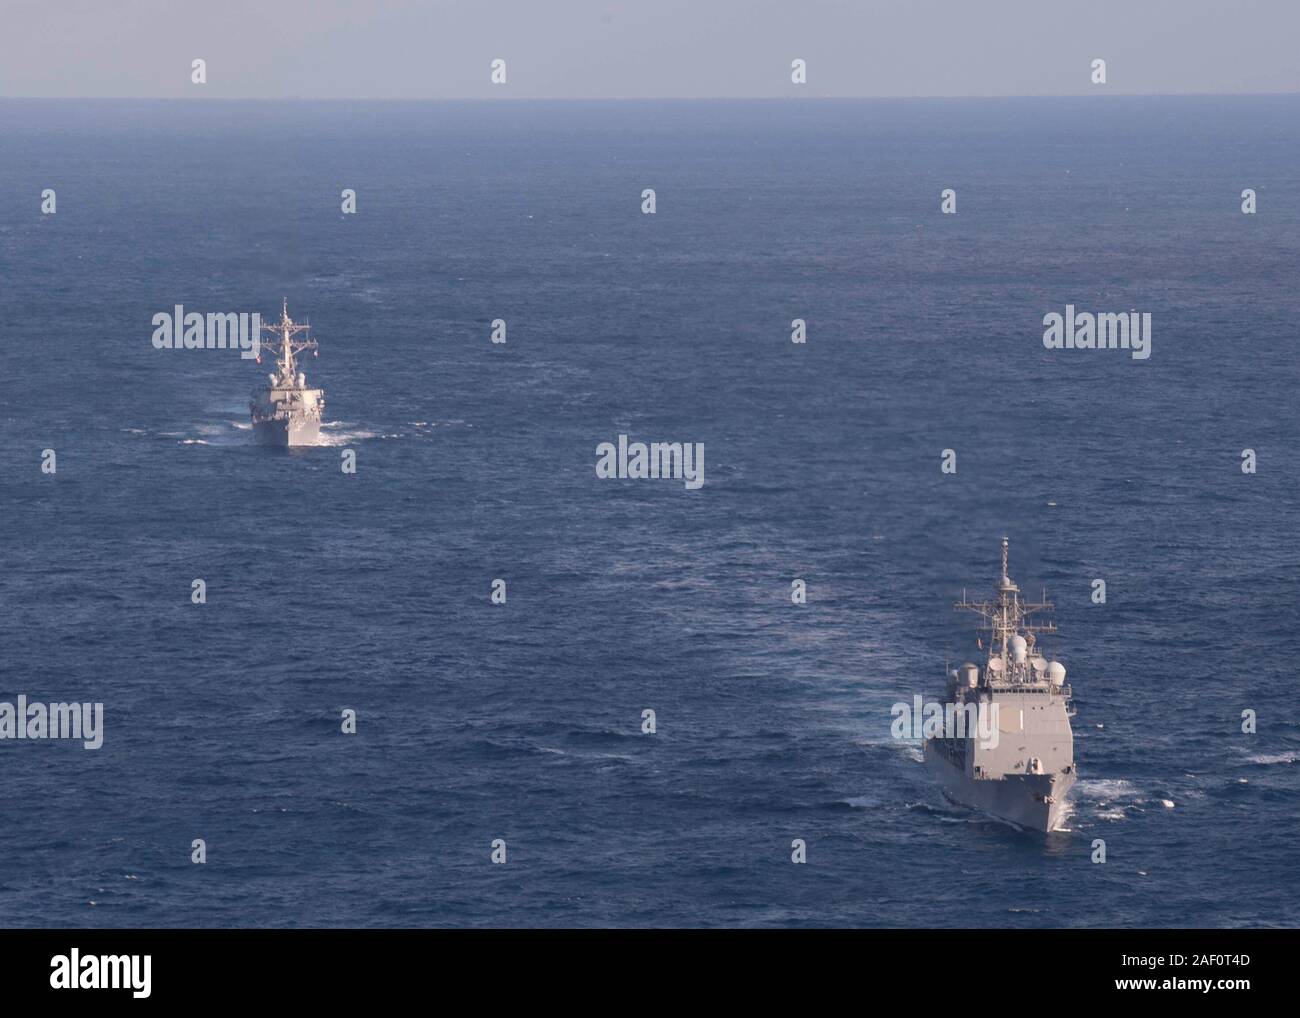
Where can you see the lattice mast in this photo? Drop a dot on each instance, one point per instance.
(282, 342)
(1007, 615)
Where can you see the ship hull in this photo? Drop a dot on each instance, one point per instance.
(1035, 802)
(287, 433)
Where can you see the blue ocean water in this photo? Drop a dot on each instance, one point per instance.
(476, 461)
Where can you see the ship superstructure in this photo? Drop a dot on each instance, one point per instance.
(1025, 777)
(287, 412)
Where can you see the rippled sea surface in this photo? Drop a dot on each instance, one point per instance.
(522, 721)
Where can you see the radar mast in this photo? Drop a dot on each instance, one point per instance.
(1007, 615)
(281, 340)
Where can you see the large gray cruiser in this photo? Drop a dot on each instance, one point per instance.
(287, 412)
(1022, 774)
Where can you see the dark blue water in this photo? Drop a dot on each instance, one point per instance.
(522, 721)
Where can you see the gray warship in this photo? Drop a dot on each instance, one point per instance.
(286, 412)
(1023, 779)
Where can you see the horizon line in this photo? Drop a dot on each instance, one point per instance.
(635, 98)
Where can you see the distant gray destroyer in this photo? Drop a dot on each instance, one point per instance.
(286, 412)
(1027, 775)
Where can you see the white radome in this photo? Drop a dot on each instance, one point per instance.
(1019, 648)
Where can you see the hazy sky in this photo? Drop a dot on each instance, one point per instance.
(413, 49)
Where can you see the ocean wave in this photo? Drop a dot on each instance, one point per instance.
(1105, 788)
(903, 747)
(1107, 799)
(333, 438)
